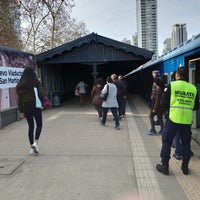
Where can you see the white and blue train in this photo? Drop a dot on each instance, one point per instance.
(186, 54)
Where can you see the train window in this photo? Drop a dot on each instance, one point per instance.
(165, 78)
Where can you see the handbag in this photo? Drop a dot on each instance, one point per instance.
(104, 96)
(46, 103)
(76, 93)
(38, 103)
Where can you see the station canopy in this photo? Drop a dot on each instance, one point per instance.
(87, 58)
(96, 50)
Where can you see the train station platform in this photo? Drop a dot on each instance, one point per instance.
(81, 160)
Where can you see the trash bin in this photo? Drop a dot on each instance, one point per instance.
(56, 99)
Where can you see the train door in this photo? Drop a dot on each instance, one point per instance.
(194, 78)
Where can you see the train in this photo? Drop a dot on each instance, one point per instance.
(186, 54)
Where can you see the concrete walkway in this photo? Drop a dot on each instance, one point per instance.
(81, 160)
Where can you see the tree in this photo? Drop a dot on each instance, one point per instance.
(33, 18)
(48, 23)
(10, 24)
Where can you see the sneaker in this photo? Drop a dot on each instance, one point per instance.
(117, 127)
(35, 148)
(31, 152)
(151, 132)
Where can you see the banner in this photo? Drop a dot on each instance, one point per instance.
(9, 76)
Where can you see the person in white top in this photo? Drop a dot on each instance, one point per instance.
(110, 103)
(81, 88)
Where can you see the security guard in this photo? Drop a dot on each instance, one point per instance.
(180, 98)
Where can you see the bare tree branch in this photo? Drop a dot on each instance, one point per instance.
(47, 24)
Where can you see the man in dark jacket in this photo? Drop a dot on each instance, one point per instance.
(156, 108)
(120, 92)
(125, 93)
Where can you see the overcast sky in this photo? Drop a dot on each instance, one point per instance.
(116, 19)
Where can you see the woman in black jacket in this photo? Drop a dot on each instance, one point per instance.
(27, 105)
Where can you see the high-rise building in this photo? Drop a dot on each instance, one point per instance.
(127, 41)
(179, 34)
(166, 45)
(147, 25)
(135, 40)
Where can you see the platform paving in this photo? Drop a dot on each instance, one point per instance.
(81, 160)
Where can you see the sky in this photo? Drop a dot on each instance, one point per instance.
(116, 19)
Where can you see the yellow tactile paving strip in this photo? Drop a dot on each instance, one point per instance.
(190, 183)
(145, 176)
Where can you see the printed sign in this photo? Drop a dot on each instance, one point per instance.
(9, 76)
(12, 64)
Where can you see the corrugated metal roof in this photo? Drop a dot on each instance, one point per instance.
(140, 53)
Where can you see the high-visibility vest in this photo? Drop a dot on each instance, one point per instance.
(182, 100)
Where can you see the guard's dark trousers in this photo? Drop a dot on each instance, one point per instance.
(168, 134)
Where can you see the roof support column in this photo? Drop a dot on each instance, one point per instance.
(94, 72)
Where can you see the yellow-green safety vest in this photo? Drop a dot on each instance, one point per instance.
(182, 100)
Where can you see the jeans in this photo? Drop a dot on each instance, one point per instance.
(31, 113)
(152, 122)
(115, 115)
(177, 144)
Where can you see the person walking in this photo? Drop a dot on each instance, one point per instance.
(27, 105)
(81, 88)
(155, 75)
(110, 103)
(123, 106)
(120, 93)
(180, 98)
(156, 108)
(95, 93)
